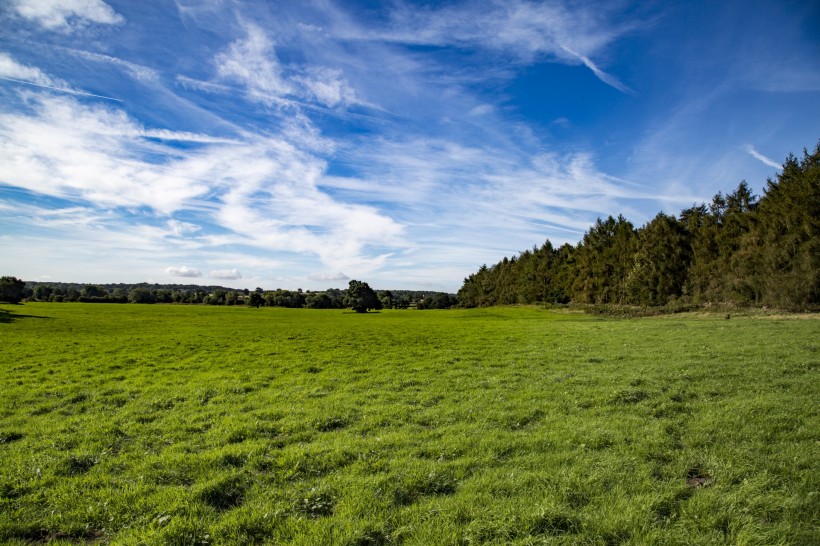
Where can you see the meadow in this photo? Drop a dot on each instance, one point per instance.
(163, 424)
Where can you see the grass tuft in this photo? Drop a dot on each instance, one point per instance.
(224, 493)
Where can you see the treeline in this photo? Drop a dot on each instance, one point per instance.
(332, 298)
(739, 249)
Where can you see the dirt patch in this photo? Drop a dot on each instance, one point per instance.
(696, 477)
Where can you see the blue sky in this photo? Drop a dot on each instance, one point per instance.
(301, 144)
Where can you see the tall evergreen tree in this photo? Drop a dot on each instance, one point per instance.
(660, 262)
(789, 226)
(603, 261)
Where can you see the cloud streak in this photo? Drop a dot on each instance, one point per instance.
(600, 74)
(67, 15)
(762, 158)
(12, 71)
(517, 30)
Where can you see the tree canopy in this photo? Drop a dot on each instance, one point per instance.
(361, 298)
(740, 249)
(11, 289)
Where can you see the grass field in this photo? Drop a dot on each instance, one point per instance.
(130, 424)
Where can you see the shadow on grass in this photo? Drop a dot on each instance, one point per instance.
(7, 316)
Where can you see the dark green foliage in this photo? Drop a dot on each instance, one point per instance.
(360, 297)
(603, 261)
(789, 234)
(11, 289)
(737, 250)
(141, 295)
(255, 299)
(439, 300)
(660, 262)
(332, 298)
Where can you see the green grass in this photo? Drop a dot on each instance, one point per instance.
(131, 424)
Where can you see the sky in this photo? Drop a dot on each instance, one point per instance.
(282, 144)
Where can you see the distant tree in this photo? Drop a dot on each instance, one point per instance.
(439, 300)
(318, 301)
(231, 297)
(360, 297)
(11, 289)
(57, 295)
(285, 298)
(141, 295)
(255, 299)
(163, 296)
(119, 294)
(42, 292)
(217, 297)
(71, 294)
(387, 299)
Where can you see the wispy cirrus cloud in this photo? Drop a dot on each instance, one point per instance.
(762, 158)
(11, 70)
(135, 70)
(70, 150)
(518, 30)
(262, 190)
(600, 74)
(252, 62)
(67, 15)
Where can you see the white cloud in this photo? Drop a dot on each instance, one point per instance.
(263, 190)
(9, 68)
(481, 110)
(252, 62)
(600, 74)
(326, 87)
(67, 14)
(762, 158)
(184, 136)
(13, 71)
(225, 274)
(137, 71)
(71, 150)
(520, 30)
(329, 277)
(276, 204)
(181, 229)
(183, 271)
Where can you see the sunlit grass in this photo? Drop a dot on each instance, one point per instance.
(138, 424)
